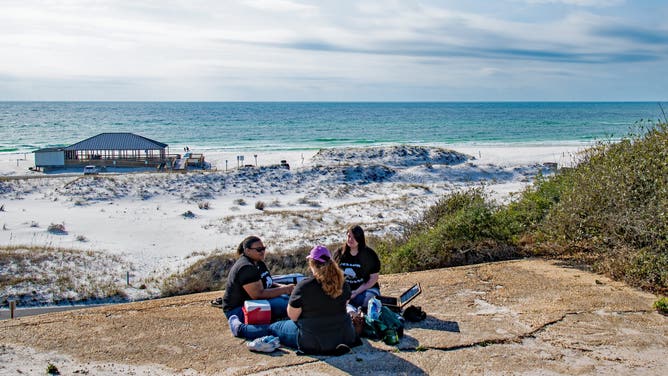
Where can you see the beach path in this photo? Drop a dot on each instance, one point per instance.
(524, 316)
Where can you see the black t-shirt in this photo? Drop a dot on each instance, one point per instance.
(309, 296)
(323, 323)
(359, 268)
(243, 272)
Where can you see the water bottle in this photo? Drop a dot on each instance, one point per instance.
(373, 309)
(391, 337)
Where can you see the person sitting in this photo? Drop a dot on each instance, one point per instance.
(360, 265)
(319, 323)
(249, 279)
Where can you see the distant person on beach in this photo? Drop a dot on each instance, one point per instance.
(250, 279)
(360, 265)
(319, 323)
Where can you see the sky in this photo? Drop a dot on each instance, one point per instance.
(339, 50)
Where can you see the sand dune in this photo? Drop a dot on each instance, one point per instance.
(154, 224)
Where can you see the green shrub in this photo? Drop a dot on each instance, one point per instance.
(462, 228)
(614, 207)
(51, 369)
(661, 305)
(610, 211)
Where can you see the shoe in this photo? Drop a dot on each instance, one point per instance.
(235, 325)
(218, 303)
(264, 344)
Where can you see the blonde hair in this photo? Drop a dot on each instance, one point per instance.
(330, 277)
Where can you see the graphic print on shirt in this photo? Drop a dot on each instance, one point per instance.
(350, 272)
(267, 281)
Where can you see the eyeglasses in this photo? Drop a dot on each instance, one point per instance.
(259, 249)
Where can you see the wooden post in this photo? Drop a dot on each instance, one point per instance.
(12, 307)
(127, 278)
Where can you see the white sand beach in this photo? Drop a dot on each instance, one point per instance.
(149, 225)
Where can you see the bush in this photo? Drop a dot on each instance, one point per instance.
(613, 207)
(259, 205)
(57, 229)
(661, 305)
(608, 212)
(51, 369)
(463, 228)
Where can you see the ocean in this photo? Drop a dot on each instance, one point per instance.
(276, 126)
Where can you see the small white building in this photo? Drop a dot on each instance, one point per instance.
(50, 158)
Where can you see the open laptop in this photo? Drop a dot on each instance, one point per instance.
(397, 304)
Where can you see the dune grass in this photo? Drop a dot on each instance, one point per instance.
(609, 214)
(47, 275)
(210, 273)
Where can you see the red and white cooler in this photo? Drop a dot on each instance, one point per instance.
(257, 312)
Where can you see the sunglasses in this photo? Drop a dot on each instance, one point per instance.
(259, 249)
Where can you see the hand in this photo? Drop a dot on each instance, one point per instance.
(289, 288)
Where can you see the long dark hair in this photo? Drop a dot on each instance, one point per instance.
(246, 243)
(329, 275)
(358, 234)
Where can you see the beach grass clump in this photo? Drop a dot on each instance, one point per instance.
(51, 369)
(57, 229)
(608, 212)
(463, 228)
(661, 305)
(40, 275)
(613, 209)
(204, 205)
(210, 273)
(259, 205)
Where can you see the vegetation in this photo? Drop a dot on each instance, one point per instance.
(51, 369)
(37, 275)
(609, 214)
(210, 273)
(661, 305)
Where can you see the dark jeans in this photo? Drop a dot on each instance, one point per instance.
(362, 300)
(279, 306)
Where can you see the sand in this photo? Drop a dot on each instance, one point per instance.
(143, 226)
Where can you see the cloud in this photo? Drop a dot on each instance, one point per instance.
(243, 48)
(279, 6)
(634, 34)
(582, 3)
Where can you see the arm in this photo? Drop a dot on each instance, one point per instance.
(256, 291)
(294, 313)
(373, 278)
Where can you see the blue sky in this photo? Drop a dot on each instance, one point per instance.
(284, 50)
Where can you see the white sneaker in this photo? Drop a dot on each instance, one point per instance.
(264, 344)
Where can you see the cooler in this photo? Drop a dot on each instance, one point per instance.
(257, 312)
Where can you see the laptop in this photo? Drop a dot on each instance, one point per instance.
(397, 304)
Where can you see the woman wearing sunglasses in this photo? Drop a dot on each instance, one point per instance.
(249, 279)
(319, 323)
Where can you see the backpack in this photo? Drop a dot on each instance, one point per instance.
(389, 327)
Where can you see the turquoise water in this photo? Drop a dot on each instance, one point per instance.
(27, 126)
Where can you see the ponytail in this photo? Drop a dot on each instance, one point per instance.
(330, 277)
(246, 243)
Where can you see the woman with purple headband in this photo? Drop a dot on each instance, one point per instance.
(319, 323)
